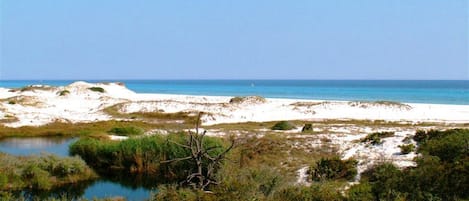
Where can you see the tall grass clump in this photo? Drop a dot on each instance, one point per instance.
(140, 155)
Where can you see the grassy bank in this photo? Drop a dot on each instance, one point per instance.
(141, 155)
(41, 172)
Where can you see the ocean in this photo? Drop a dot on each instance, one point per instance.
(410, 91)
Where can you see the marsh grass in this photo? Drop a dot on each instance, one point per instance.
(141, 155)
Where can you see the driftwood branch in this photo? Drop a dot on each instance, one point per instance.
(202, 175)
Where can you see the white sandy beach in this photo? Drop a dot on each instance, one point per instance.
(42, 105)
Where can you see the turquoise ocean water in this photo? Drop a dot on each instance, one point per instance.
(411, 91)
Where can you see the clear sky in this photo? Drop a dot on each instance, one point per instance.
(234, 39)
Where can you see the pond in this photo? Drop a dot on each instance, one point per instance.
(131, 187)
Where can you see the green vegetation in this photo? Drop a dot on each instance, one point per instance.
(41, 172)
(333, 168)
(442, 171)
(407, 148)
(376, 138)
(98, 128)
(141, 155)
(11, 102)
(97, 89)
(126, 131)
(283, 125)
(63, 92)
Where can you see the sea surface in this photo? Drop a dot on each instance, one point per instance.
(410, 91)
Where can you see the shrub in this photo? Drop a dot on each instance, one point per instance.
(11, 102)
(64, 92)
(283, 125)
(307, 128)
(360, 192)
(333, 168)
(97, 89)
(442, 171)
(376, 138)
(407, 148)
(41, 172)
(126, 131)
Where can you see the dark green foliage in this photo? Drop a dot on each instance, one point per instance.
(407, 148)
(307, 128)
(283, 125)
(442, 171)
(333, 168)
(126, 131)
(11, 102)
(385, 180)
(97, 89)
(376, 138)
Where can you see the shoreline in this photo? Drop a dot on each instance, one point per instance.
(39, 105)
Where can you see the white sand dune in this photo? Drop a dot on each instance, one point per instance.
(41, 105)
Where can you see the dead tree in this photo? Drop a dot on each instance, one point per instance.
(206, 165)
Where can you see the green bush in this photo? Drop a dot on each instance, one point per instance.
(376, 138)
(283, 125)
(442, 171)
(41, 172)
(64, 92)
(97, 89)
(126, 131)
(407, 148)
(11, 102)
(333, 168)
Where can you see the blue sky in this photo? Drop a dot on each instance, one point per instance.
(237, 39)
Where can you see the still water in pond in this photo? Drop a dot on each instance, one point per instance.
(135, 187)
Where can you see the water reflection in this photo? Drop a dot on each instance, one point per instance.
(132, 187)
(36, 145)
